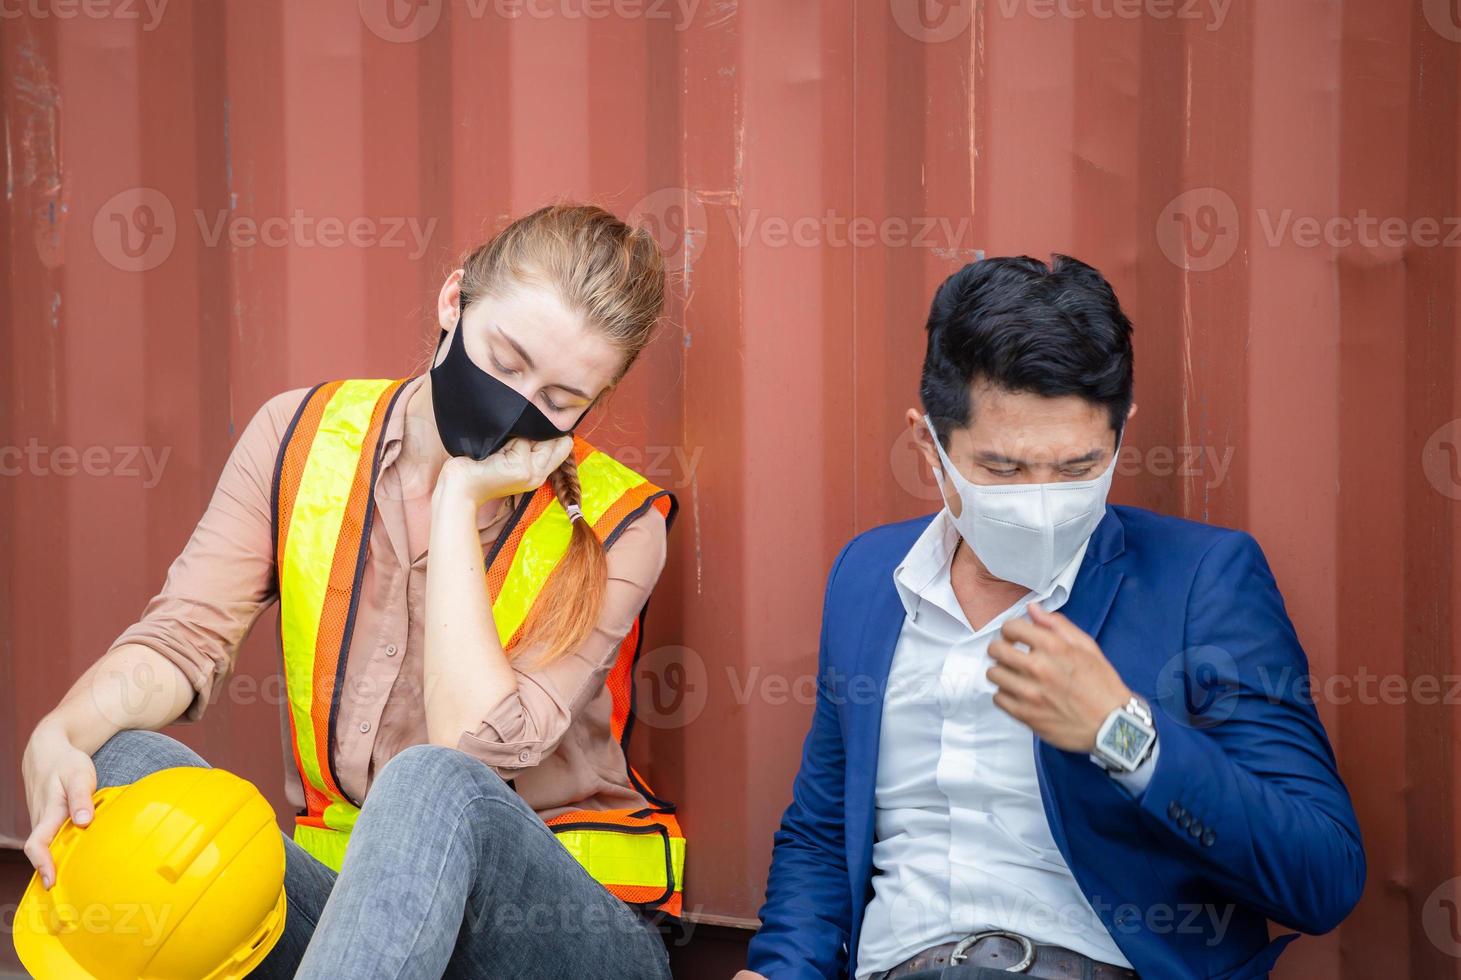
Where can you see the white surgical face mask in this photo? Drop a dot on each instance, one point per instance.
(1027, 533)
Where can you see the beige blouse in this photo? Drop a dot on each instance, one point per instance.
(552, 737)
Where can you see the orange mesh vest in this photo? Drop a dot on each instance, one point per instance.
(323, 506)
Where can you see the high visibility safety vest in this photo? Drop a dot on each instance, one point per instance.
(323, 506)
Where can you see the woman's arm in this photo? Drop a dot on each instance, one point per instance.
(511, 714)
(170, 664)
(465, 668)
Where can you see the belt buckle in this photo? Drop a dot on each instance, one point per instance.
(1027, 960)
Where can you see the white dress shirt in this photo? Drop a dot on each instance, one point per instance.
(962, 841)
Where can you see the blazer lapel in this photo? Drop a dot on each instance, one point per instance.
(1089, 603)
(1096, 583)
(882, 625)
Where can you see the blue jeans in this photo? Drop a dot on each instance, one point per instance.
(449, 874)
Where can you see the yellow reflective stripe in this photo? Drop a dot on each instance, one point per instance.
(617, 857)
(542, 546)
(602, 480)
(328, 846)
(314, 528)
(341, 815)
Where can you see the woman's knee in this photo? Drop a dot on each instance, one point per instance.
(133, 753)
(434, 775)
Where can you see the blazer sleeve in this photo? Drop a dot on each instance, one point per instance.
(1246, 785)
(806, 918)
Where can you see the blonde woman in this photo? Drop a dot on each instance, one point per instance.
(461, 583)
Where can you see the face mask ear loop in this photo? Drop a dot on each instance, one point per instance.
(461, 315)
(938, 479)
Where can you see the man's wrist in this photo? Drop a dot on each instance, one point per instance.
(1126, 738)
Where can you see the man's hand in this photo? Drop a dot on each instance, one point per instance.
(747, 975)
(1063, 687)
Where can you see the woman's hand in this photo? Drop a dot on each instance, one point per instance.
(59, 780)
(518, 467)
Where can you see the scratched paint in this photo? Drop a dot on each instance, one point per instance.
(813, 171)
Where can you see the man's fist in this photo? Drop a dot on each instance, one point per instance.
(1063, 686)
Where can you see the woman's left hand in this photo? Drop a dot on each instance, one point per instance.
(518, 467)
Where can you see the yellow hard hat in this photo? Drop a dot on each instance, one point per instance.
(178, 876)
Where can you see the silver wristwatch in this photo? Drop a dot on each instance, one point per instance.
(1125, 738)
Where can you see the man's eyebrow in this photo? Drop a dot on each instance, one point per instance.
(988, 456)
(529, 362)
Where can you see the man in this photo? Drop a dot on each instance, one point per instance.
(1131, 785)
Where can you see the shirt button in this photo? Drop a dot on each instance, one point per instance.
(391, 650)
(524, 755)
(365, 726)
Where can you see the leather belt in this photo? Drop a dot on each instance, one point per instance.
(1000, 950)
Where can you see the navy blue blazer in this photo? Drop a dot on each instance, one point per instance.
(1245, 818)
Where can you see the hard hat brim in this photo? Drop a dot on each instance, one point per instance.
(45, 957)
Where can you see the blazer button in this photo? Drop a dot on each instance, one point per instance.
(1174, 810)
(1184, 821)
(1209, 838)
(1196, 829)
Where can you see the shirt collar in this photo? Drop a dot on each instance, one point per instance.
(395, 427)
(930, 561)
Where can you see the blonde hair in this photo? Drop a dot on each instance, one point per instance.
(614, 277)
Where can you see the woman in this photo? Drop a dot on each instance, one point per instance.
(470, 744)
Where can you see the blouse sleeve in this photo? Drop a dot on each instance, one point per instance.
(527, 726)
(224, 577)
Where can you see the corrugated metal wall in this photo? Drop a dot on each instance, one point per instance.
(209, 203)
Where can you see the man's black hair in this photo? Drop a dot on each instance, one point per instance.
(1021, 325)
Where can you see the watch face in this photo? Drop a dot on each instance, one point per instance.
(1124, 739)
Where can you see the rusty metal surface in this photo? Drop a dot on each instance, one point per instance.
(210, 203)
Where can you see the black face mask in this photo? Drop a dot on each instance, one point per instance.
(475, 413)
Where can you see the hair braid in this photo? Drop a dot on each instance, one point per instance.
(568, 610)
(564, 481)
